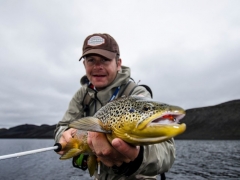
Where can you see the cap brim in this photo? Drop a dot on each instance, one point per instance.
(102, 52)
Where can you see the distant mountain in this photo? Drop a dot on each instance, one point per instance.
(28, 131)
(220, 122)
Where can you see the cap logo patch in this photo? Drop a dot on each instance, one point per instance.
(96, 41)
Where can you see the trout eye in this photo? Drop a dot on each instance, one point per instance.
(145, 108)
(148, 107)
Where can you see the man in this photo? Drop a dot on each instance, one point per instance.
(105, 80)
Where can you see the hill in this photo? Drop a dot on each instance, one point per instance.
(220, 122)
(28, 131)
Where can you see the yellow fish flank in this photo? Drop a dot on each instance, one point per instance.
(136, 120)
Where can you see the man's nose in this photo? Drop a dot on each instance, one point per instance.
(98, 64)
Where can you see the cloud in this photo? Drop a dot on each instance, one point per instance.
(186, 51)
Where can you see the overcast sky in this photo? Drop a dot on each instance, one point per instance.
(187, 51)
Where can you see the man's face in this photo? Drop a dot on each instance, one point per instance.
(100, 70)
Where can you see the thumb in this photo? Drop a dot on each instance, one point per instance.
(125, 149)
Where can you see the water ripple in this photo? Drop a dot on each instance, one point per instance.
(198, 160)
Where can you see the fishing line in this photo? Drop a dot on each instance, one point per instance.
(57, 147)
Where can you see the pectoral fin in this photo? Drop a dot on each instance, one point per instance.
(89, 124)
(71, 153)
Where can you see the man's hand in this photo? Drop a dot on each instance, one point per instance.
(111, 154)
(66, 136)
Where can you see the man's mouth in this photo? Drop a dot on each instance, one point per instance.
(96, 75)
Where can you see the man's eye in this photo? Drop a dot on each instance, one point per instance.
(90, 60)
(105, 60)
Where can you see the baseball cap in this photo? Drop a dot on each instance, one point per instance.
(101, 44)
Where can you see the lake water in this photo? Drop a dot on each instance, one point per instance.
(195, 160)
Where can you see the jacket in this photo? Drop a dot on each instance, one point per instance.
(157, 158)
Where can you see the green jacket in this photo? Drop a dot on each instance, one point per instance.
(157, 158)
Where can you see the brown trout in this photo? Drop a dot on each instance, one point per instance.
(136, 120)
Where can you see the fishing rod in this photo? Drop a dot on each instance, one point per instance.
(57, 147)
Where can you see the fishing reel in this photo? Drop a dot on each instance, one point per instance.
(80, 162)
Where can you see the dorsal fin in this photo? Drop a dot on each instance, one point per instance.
(88, 124)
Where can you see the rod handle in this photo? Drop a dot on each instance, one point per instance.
(59, 147)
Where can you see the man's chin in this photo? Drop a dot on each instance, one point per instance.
(100, 86)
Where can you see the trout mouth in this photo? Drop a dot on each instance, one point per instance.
(167, 119)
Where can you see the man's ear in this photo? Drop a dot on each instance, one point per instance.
(84, 63)
(119, 64)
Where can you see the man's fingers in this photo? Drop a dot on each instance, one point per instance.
(110, 162)
(104, 150)
(130, 152)
(64, 139)
(98, 143)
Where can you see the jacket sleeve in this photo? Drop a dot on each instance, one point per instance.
(157, 158)
(74, 111)
(141, 91)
